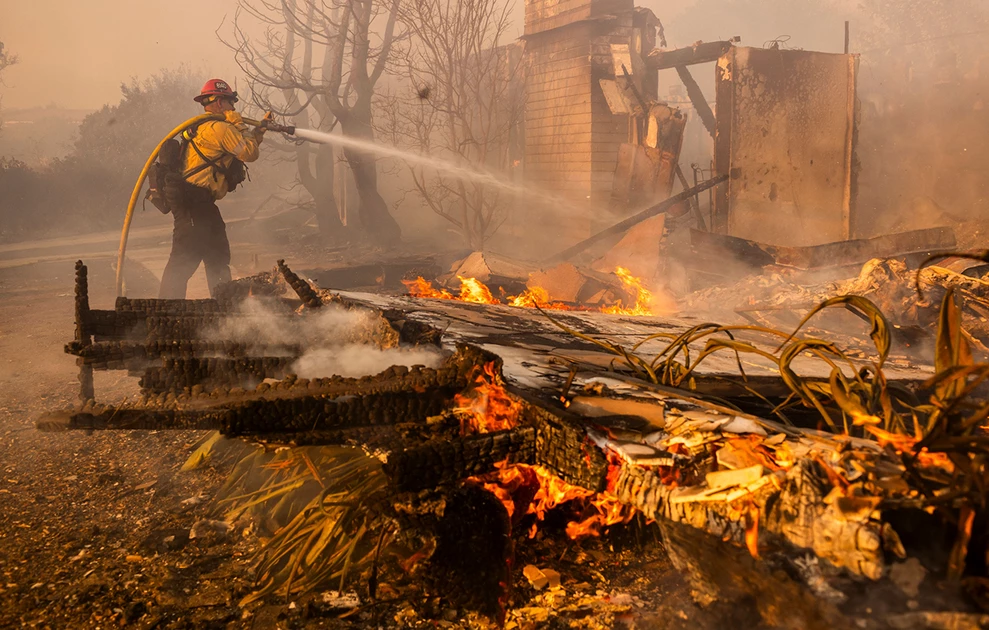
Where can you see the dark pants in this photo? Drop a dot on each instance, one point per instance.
(200, 236)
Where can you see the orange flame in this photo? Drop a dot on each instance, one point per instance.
(610, 511)
(487, 407)
(553, 492)
(643, 297)
(908, 444)
(473, 290)
(537, 296)
(420, 287)
(752, 530)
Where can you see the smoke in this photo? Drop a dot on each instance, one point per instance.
(360, 360)
(333, 341)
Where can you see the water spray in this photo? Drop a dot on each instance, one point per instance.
(310, 135)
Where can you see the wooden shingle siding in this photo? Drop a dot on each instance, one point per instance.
(544, 15)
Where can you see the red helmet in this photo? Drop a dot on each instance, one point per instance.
(216, 87)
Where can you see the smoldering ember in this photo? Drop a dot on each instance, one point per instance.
(570, 314)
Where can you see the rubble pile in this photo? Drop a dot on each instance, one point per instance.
(890, 283)
(537, 419)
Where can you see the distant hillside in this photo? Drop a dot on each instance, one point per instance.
(38, 134)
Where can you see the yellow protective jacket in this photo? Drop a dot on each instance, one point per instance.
(221, 141)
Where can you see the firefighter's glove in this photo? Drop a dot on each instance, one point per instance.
(263, 127)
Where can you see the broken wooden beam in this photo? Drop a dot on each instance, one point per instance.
(837, 254)
(300, 286)
(691, 55)
(697, 100)
(652, 211)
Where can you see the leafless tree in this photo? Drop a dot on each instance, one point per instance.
(465, 105)
(6, 60)
(323, 55)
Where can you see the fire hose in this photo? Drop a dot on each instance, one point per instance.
(266, 124)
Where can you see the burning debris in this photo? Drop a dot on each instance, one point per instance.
(633, 298)
(391, 473)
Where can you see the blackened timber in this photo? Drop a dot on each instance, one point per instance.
(118, 355)
(211, 372)
(148, 307)
(83, 338)
(562, 445)
(623, 226)
(837, 254)
(697, 100)
(443, 461)
(300, 286)
(257, 416)
(701, 53)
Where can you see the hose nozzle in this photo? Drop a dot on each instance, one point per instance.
(277, 128)
(268, 124)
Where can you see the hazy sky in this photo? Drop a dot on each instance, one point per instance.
(76, 53)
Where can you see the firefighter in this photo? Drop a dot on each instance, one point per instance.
(211, 160)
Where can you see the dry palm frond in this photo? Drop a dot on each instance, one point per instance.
(858, 396)
(322, 500)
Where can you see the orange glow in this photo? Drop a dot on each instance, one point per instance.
(752, 530)
(422, 288)
(553, 492)
(537, 296)
(902, 443)
(643, 297)
(907, 444)
(473, 290)
(610, 512)
(487, 407)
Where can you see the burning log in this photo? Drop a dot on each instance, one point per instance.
(445, 461)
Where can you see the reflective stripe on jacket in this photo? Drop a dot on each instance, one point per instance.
(220, 141)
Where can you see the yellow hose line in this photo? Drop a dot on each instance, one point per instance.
(140, 184)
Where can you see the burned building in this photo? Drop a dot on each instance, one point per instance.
(597, 135)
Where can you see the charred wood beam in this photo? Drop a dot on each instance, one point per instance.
(135, 326)
(623, 226)
(209, 373)
(838, 254)
(279, 415)
(119, 355)
(697, 99)
(443, 461)
(149, 307)
(83, 338)
(562, 445)
(701, 53)
(386, 398)
(300, 286)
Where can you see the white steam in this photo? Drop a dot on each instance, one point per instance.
(360, 360)
(329, 338)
